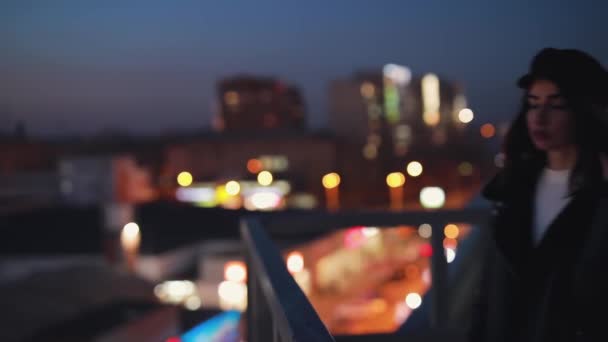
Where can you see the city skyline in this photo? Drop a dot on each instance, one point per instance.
(148, 68)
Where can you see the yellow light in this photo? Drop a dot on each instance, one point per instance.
(414, 169)
(235, 271)
(331, 180)
(233, 188)
(265, 178)
(413, 300)
(432, 197)
(295, 262)
(184, 178)
(231, 98)
(465, 115)
(487, 130)
(465, 169)
(395, 179)
(367, 90)
(451, 231)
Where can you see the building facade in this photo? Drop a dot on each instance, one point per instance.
(259, 103)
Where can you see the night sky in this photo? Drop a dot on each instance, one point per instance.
(150, 66)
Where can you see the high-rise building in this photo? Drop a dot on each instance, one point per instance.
(254, 103)
(392, 109)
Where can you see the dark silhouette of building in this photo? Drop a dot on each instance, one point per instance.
(256, 103)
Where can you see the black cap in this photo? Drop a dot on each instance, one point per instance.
(573, 71)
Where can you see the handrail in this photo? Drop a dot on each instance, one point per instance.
(290, 224)
(278, 310)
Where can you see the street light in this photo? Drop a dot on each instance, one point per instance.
(233, 188)
(265, 178)
(395, 181)
(414, 169)
(184, 178)
(330, 182)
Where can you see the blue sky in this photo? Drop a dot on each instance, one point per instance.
(70, 66)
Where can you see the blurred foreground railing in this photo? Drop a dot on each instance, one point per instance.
(277, 308)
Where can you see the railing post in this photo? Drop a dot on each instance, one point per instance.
(259, 318)
(439, 288)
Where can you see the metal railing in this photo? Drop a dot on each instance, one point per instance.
(279, 311)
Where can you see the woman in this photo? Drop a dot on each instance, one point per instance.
(545, 277)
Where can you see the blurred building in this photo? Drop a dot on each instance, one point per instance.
(214, 160)
(389, 118)
(112, 179)
(248, 103)
(392, 110)
(34, 180)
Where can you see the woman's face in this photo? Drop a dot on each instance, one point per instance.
(550, 122)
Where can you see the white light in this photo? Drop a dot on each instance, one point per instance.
(206, 194)
(232, 295)
(431, 99)
(180, 288)
(425, 231)
(235, 271)
(450, 255)
(233, 188)
(175, 291)
(295, 262)
(193, 303)
(432, 197)
(465, 115)
(263, 201)
(130, 236)
(413, 300)
(399, 74)
(370, 231)
(414, 169)
(265, 178)
(459, 103)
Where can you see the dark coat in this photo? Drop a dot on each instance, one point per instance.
(555, 291)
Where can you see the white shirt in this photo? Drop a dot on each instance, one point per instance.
(551, 197)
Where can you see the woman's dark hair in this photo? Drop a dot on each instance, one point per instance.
(583, 83)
